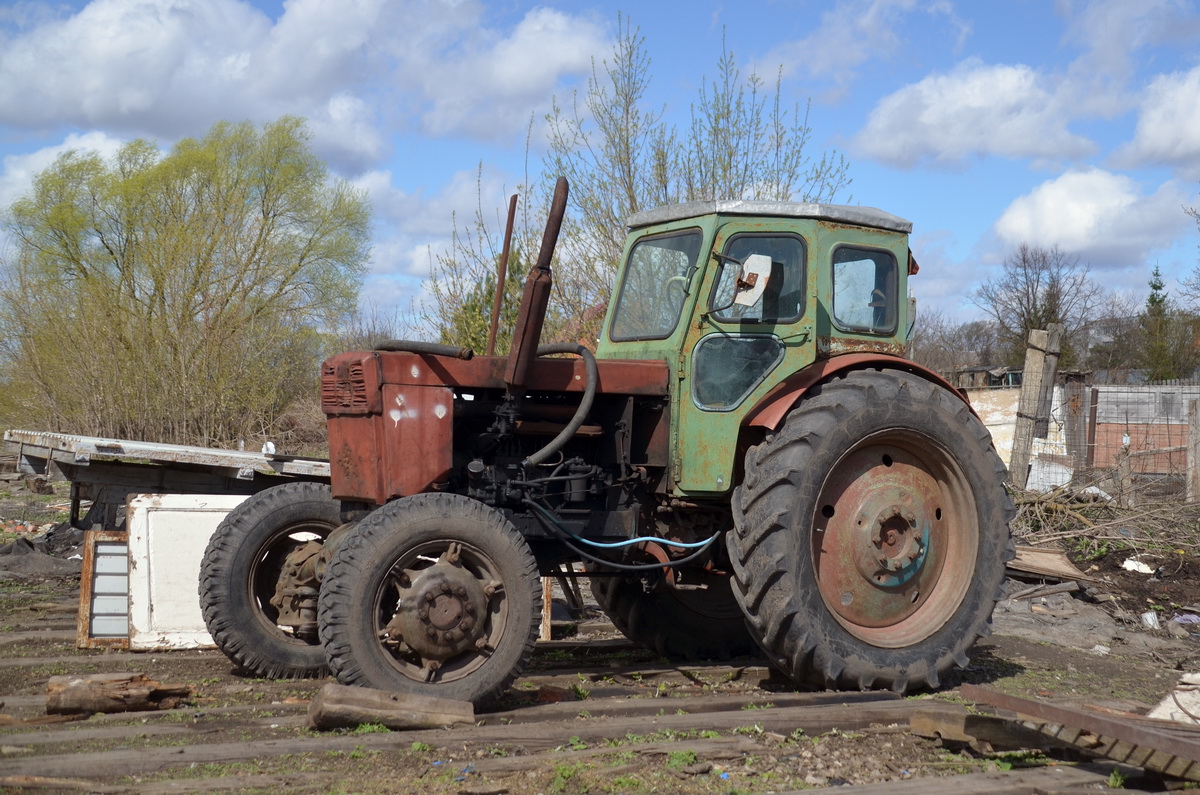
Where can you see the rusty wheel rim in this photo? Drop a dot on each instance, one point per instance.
(440, 611)
(895, 538)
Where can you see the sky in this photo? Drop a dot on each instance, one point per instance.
(987, 124)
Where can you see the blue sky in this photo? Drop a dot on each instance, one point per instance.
(1063, 123)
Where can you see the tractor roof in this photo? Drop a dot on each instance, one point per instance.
(839, 213)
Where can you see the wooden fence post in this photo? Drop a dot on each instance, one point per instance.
(1037, 383)
(1193, 451)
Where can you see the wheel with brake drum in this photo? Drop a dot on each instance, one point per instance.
(258, 582)
(871, 534)
(435, 595)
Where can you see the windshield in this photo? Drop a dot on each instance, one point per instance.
(654, 286)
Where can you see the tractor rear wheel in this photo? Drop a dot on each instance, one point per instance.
(435, 595)
(249, 567)
(702, 624)
(871, 534)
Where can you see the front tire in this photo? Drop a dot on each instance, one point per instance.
(434, 595)
(871, 534)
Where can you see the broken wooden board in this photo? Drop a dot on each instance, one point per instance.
(1046, 563)
(68, 695)
(984, 733)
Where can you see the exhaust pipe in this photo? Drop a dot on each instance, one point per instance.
(536, 297)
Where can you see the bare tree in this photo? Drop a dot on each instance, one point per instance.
(947, 347)
(621, 157)
(1113, 338)
(1037, 287)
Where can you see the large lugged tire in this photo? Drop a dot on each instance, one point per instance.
(241, 570)
(680, 625)
(435, 595)
(871, 534)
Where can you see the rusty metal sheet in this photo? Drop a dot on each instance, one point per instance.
(417, 438)
(403, 451)
(71, 449)
(617, 377)
(354, 445)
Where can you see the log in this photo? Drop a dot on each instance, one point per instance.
(118, 692)
(339, 707)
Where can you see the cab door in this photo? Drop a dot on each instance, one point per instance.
(743, 340)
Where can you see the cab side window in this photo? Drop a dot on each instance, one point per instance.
(783, 300)
(864, 290)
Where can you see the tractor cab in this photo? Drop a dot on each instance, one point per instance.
(740, 296)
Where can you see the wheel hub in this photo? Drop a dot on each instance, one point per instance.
(893, 545)
(881, 529)
(442, 611)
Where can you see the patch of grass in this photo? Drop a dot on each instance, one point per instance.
(677, 760)
(563, 774)
(370, 728)
(420, 747)
(575, 744)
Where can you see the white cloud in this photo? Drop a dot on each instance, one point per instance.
(411, 229)
(1168, 124)
(852, 33)
(975, 110)
(169, 68)
(1101, 216)
(497, 83)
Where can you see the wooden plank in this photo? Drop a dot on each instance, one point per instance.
(719, 748)
(531, 737)
(1035, 781)
(1046, 562)
(692, 704)
(338, 707)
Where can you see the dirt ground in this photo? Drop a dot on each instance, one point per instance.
(1091, 645)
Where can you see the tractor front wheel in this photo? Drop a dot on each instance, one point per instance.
(435, 595)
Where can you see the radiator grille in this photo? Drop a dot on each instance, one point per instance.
(344, 388)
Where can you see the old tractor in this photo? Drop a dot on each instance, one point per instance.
(746, 462)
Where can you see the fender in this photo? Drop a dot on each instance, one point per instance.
(774, 406)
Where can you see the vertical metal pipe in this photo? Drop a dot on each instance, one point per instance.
(501, 276)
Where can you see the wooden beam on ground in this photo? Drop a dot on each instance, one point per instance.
(341, 707)
(68, 695)
(1030, 781)
(531, 737)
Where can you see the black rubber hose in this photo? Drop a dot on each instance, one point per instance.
(585, 403)
(414, 346)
